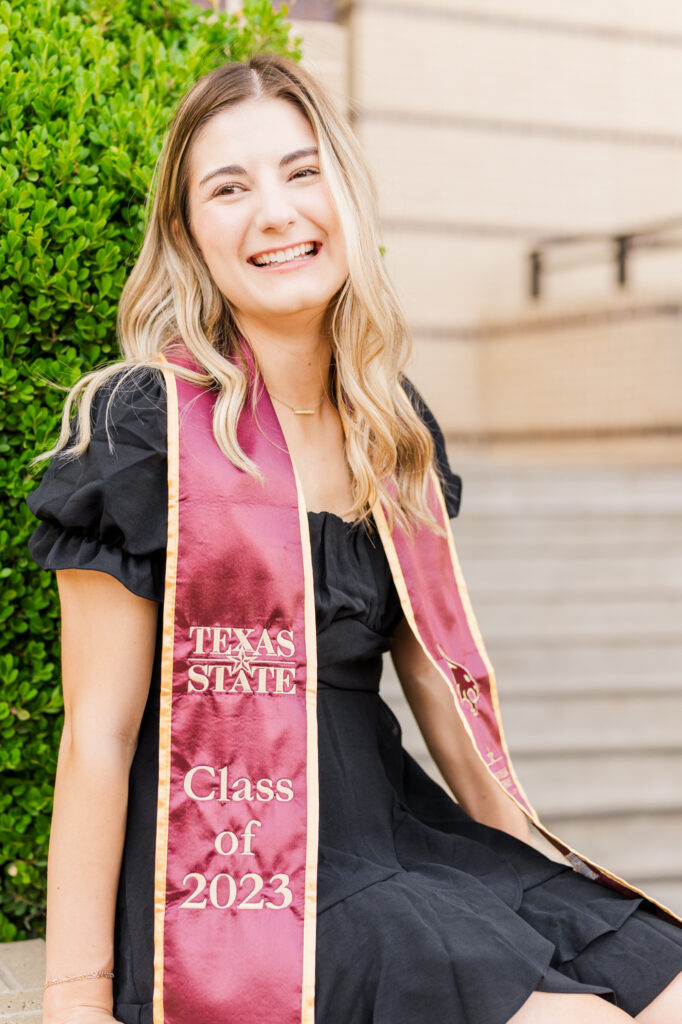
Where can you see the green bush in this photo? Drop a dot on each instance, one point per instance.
(88, 90)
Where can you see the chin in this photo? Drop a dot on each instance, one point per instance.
(290, 306)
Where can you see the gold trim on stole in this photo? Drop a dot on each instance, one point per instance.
(480, 647)
(163, 801)
(312, 785)
(403, 594)
(401, 587)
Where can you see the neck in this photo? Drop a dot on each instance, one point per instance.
(294, 366)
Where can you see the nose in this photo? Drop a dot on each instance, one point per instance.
(275, 210)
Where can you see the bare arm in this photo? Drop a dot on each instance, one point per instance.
(108, 637)
(445, 736)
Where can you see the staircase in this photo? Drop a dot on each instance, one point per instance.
(575, 576)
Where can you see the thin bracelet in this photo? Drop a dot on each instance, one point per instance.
(79, 977)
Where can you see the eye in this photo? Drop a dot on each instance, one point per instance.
(306, 171)
(220, 191)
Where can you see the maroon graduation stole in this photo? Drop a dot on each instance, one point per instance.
(237, 816)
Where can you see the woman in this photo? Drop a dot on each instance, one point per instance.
(249, 517)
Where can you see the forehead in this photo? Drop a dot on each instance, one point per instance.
(253, 131)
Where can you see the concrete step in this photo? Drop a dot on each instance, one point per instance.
(587, 783)
(624, 665)
(21, 1007)
(643, 846)
(599, 491)
(606, 707)
(534, 620)
(484, 467)
(577, 724)
(22, 965)
(600, 577)
(666, 891)
(643, 849)
(22, 973)
(485, 535)
(592, 784)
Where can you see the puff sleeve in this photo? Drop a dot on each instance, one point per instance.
(451, 482)
(107, 510)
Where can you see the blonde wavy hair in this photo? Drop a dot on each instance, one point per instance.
(170, 293)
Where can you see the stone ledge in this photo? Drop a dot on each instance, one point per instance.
(22, 973)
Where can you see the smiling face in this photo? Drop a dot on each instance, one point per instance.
(261, 213)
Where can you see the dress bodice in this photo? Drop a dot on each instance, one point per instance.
(356, 603)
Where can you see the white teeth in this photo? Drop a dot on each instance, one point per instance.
(283, 256)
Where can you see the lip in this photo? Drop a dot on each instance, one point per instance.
(283, 248)
(290, 265)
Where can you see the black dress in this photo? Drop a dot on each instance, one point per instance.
(424, 916)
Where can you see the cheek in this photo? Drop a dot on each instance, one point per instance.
(339, 239)
(197, 229)
(333, 222)
(330, 219)
(315, 205)
(216, 239)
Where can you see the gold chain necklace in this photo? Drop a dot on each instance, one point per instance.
(300, 412)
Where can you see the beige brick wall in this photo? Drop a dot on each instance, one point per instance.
(447, 279)
(531, 184)
(448, 374)
(489, 126)
(325, 53)
(440, 64)
(606, 371)
(556, 374)
(626, 16)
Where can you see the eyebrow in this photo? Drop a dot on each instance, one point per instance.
(238, 169)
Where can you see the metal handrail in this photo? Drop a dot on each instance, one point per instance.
(622, 243)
